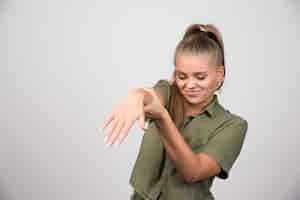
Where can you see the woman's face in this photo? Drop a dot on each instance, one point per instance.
(197, 77)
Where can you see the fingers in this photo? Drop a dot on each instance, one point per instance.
(117, 130)
(118, 123)
(110, 129)
(124, 131)
(112, 138)
(107, 120)
(148, 89)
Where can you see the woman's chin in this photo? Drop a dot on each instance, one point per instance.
(193, 101)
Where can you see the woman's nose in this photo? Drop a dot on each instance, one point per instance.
(191, 83)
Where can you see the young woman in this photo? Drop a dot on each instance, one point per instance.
(191, 138)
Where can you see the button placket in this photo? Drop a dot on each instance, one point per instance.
(183, 126)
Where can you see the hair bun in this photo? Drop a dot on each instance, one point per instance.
(195, 29)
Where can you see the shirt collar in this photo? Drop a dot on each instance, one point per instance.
(211, 108)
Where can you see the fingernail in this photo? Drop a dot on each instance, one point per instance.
(105, 138)
(108, 143)
(117, 142)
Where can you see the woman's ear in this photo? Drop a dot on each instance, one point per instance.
(220, 73)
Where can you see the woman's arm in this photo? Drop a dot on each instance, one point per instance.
(192, 166)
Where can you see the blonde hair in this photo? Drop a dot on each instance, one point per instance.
(198, 38)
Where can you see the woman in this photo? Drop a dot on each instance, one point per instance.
(191, 138)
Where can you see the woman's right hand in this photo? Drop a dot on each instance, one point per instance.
(118, 122)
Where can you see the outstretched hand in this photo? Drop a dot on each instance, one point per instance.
(118, 122)
(130, 109)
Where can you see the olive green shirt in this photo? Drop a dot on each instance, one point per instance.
(216, 132)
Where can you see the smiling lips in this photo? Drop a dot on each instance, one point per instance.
(192, 93)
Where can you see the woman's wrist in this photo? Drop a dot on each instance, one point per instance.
(143, 94)
(136, 94)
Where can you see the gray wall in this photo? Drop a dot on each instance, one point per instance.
(65, 64)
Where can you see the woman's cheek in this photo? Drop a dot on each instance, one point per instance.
(204, 85)
(209, 85)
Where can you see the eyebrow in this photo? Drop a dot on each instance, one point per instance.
(196, 73)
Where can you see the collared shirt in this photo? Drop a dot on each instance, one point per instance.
(215, 131)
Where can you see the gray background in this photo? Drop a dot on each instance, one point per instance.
(65, 64)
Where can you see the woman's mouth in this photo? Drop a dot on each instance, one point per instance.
(192, 94)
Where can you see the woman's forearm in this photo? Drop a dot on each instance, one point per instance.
(179, 151)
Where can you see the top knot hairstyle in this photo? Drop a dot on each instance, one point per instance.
(197, 39)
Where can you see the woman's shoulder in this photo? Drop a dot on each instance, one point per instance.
(163, 86)
(162, 82)
(231, 117)
(238, 119)
(222, 112)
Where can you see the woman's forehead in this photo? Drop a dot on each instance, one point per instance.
(193, 63)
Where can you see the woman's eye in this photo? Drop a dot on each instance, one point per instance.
(181, 77)
(201, 78)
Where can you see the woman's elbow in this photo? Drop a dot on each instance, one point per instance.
(189, 179)
(190, 175)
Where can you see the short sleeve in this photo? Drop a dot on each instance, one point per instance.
(164, 88)
(225, 145)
